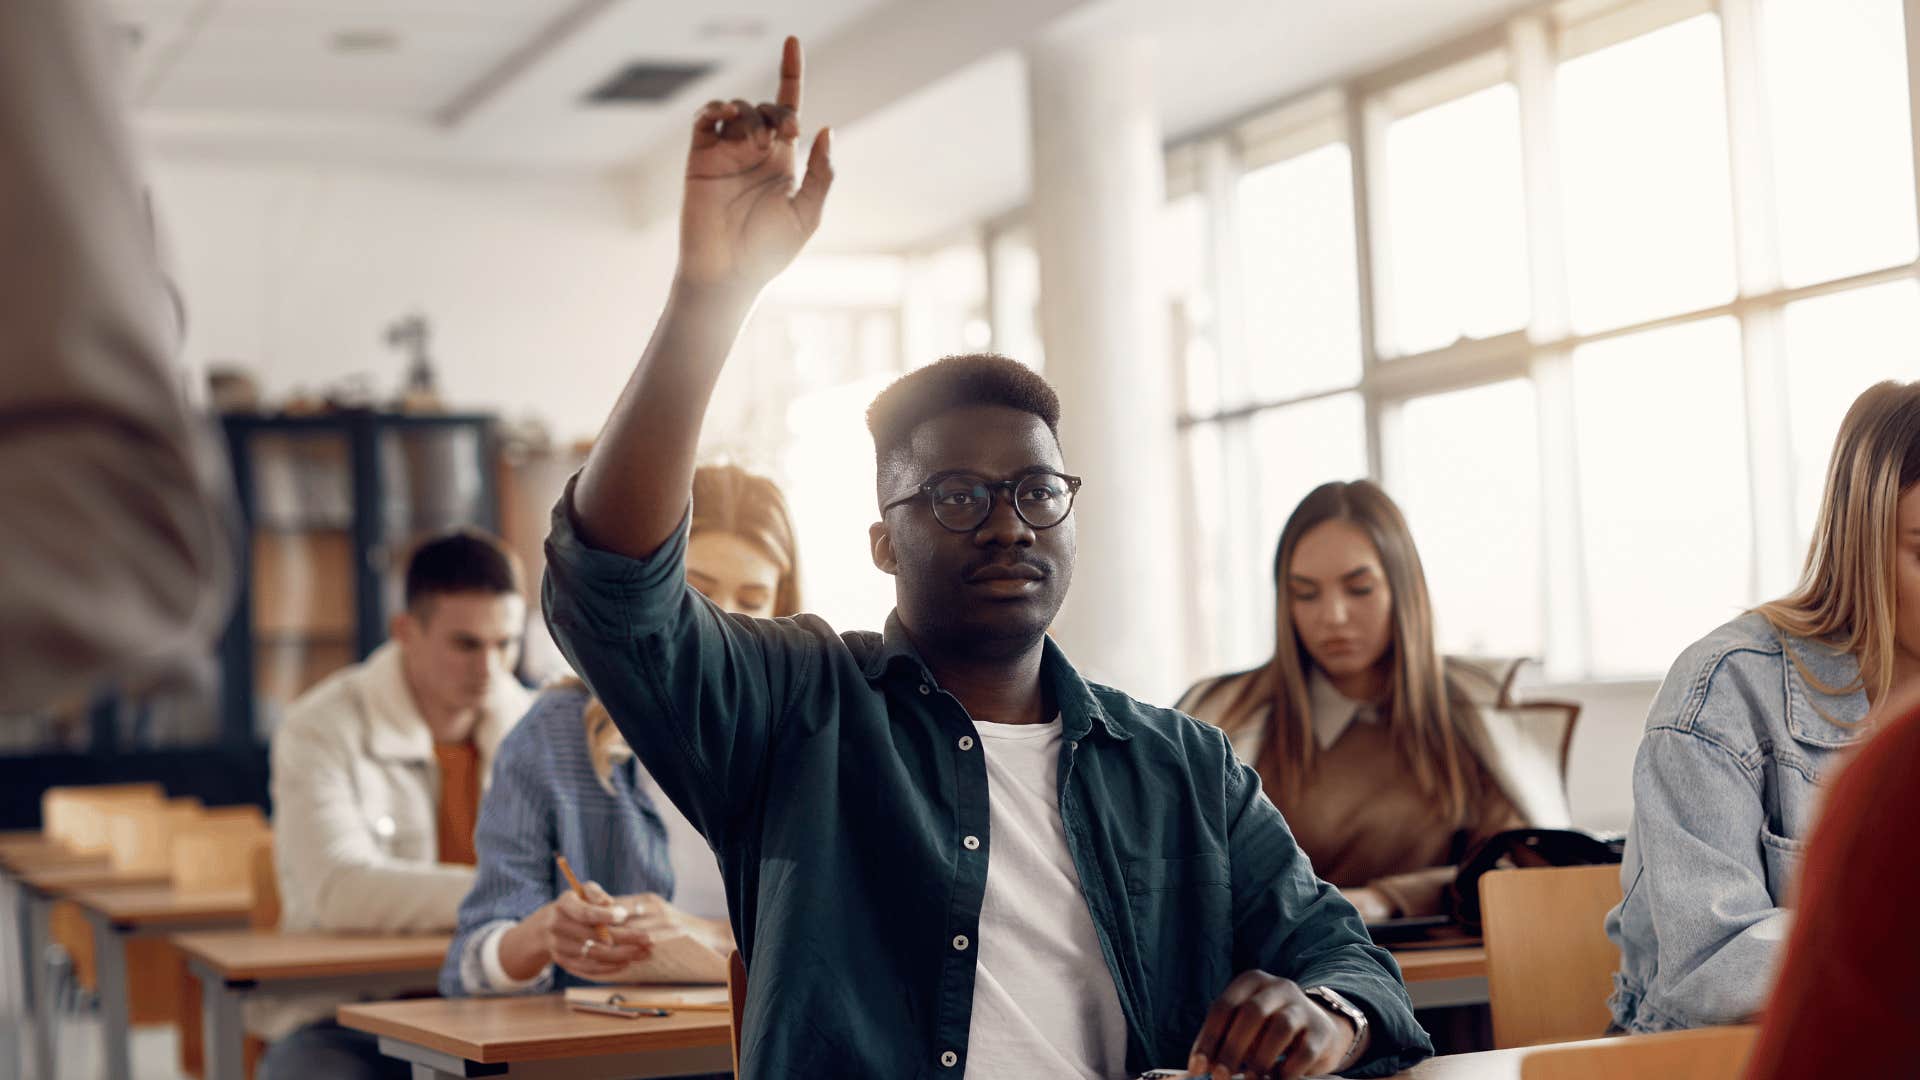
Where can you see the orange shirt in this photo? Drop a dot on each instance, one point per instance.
(459, 807)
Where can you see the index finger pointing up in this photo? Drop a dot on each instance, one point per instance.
(789, 94)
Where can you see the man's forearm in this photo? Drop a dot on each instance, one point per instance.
(633, 489)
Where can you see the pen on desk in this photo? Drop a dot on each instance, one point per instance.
(601, 932)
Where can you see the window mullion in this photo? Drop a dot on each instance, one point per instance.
(1366, 139)
(1757, 255)
(1562, 583)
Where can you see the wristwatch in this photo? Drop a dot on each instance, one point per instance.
(1332, 1000)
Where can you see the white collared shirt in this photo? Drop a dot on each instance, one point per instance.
(1333, 711)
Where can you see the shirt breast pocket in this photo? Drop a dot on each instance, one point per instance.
(1783, 863)
(1183, 930)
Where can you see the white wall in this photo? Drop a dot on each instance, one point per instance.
(540, 293)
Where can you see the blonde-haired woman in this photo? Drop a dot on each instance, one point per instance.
(1370, 743)
(565, 782)
(1747, 725)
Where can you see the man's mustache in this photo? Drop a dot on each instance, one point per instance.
(1037, 567)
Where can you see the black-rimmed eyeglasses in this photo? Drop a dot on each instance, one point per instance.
(962, 502)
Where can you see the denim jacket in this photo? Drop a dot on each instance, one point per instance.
(1725, 787)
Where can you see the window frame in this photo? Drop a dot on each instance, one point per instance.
(1526, 50)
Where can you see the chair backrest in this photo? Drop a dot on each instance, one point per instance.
(216, 856)
(76, 816)
(1549, 964)
(1705, 1054)
(140, 835)
(266, 888)
(737, 999)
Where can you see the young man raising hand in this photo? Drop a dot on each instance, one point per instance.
(945, 852)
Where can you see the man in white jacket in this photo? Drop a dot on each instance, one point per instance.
(377, 775)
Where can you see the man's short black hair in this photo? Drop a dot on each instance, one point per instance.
(462, 560)
(950, 383)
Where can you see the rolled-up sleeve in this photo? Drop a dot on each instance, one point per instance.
(1290, 923)
(697, 693)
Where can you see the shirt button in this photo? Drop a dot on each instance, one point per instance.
(949, 1059)
(925, 689)
(960, 943)
(971, 843)
(966, 742)
(1074, 745)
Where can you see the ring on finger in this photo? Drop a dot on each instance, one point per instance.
(587, 946)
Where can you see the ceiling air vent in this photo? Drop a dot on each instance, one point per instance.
(646, 82)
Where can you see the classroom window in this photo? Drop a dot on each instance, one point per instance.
(1455, 229)
(1299, 447)
(1836, 346)
(1836, 98)
(1645, 174)
(1302, 327)
(1666, 525)
(1464, 467)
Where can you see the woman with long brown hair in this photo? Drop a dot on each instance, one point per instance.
(566, 782)
(1370, 743)
(1748, 724)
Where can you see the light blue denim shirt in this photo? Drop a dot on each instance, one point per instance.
(545, 798)
(1725, 787)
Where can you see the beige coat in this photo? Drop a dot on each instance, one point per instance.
(355, 793)
(116, 541)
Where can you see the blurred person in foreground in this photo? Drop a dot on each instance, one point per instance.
(1146, 906)
(1850, 982)
(115, 523)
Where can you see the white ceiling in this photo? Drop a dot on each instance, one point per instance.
(470, 82)
(499, 83)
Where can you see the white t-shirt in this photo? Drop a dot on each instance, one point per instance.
(1043, 999)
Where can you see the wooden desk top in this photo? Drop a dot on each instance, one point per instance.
(263, 955)
(1428, 965)
(159, 905)
(542, 1028)
(22, 858)
(61, 879)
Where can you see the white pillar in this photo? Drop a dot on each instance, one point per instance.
(1098, 186)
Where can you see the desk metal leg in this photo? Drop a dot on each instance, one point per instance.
(226, 1035)
(44, 1017)
(12, 1060)
(110, 956)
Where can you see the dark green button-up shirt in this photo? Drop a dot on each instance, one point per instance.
(835, 781)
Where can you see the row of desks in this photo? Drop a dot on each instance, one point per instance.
(518, 1037)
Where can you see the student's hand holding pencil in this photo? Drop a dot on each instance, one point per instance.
(584, 931)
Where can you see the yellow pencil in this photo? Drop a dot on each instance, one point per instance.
(601, 932)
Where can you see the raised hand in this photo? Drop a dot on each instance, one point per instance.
(743, 220)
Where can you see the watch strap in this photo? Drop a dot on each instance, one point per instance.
(1334, 1001)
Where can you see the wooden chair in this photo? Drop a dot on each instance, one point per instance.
(216, 855)
(737, 999)
(140, 835)
(77, 816)
(1706, 1054)
(1549, 964)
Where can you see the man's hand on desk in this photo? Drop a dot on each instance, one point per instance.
(1264, 1025)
